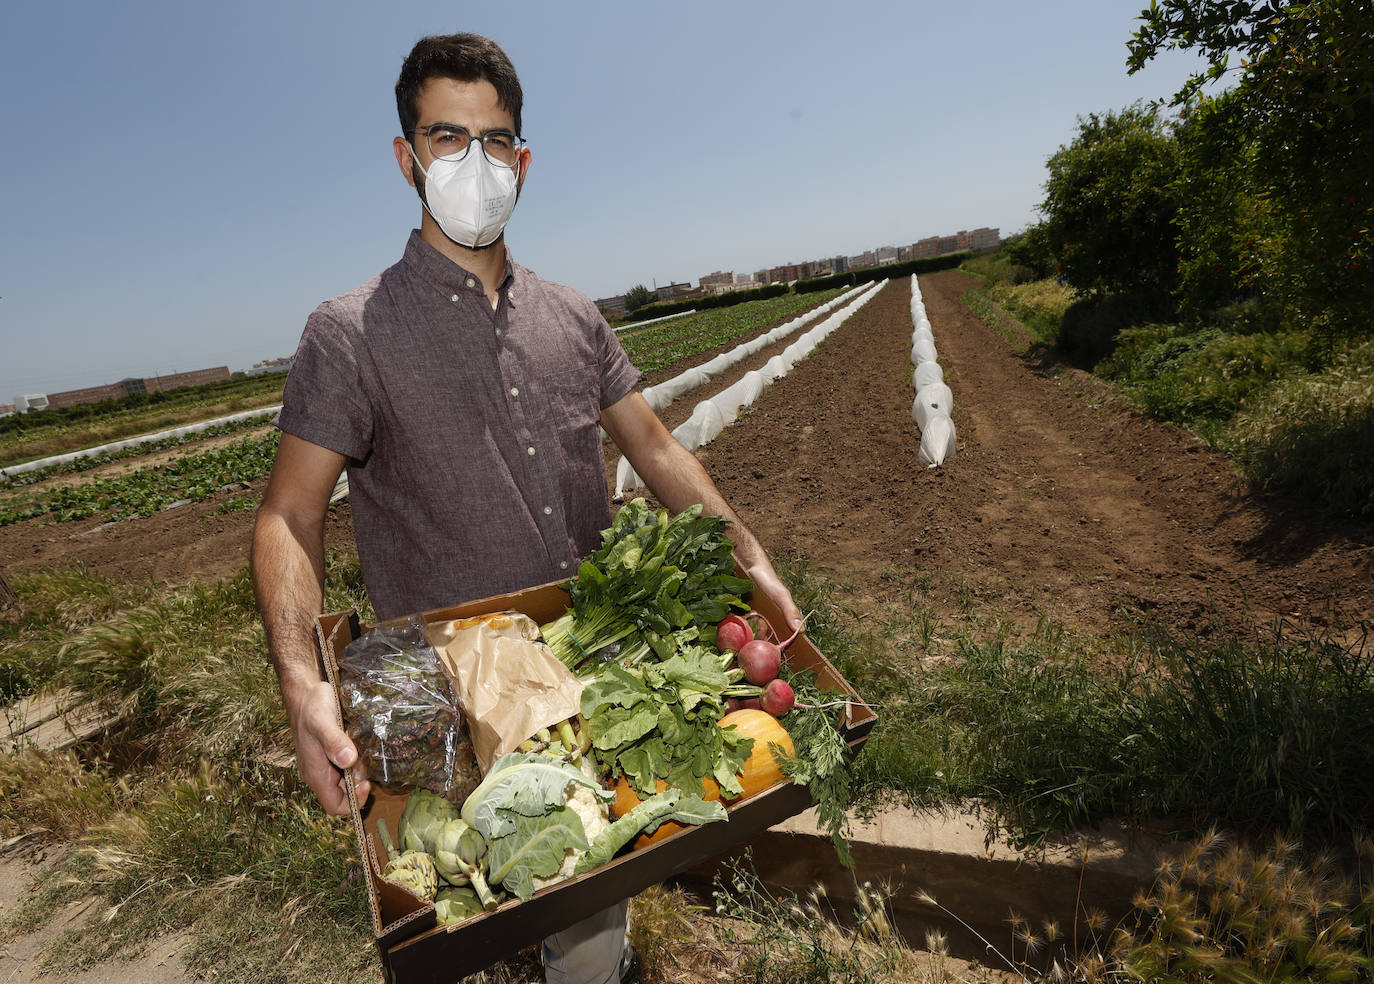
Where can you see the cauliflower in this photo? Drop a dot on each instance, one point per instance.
(595, 817)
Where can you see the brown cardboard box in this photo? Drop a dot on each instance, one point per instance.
(415, 951)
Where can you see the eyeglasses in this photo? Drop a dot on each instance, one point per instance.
(450, 142)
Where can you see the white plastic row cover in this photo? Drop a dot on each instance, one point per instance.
(713, 415)
(62, 459)
(664, 393)
(934, 400)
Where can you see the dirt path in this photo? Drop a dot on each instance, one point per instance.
(1061, 501)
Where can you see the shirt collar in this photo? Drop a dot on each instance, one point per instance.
(434, 267)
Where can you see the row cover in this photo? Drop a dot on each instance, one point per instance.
(663, 394)
(713, 415)
(934, 400)
(62, 459)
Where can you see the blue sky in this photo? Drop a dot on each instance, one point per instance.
(183, 182)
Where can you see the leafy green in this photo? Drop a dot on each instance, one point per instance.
(819, 759)
(647, 817)
(521, 784)
(654, 582)
(658, 721)
(533, 848)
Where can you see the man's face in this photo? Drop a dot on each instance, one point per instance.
(471, 105)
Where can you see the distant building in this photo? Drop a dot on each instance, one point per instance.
(31, 401)
(977, 239)
(676, 292)
(885, 255)
(6, 409)
(271, 365)
(125, 387)
(612, 307)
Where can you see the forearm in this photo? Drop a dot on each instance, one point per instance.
(288, 581)
(678, 480)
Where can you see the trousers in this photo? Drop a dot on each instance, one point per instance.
(590, 951)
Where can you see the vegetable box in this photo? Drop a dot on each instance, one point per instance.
(414, 950)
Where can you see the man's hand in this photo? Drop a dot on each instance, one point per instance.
(323, 749)
(767, 582)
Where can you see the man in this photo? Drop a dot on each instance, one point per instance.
(465, 396)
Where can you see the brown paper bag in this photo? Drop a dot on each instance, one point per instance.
(508, 684)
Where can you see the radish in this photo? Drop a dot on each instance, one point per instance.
(732, 633)
(777, 698)
(761, 660)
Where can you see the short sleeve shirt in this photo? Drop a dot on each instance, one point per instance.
(475, 462)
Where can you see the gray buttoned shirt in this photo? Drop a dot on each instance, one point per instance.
(475, 463)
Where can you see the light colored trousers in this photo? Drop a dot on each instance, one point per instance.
(590, 951)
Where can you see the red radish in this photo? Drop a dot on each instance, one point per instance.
(772, 634)
(777, 698)
(761, 659)
(732, 633)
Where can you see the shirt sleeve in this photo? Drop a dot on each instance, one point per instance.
(324, 401)
(618, 375)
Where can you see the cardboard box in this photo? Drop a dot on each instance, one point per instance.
(414, 950)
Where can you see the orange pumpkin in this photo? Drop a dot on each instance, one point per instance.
(760, 770)
(626, 799)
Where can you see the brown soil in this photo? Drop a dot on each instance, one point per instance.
(1062, 502)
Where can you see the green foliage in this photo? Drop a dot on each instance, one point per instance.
(1311, 436)
(656, 347)
(638, 296)
(1201, 377)
(1040, 305)
(1110, 204)
(1030, 250)
(144, 491)
(1278, 182)
(728, 299)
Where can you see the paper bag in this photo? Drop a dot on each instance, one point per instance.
(508, 683)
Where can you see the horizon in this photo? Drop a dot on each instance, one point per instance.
(194, 225)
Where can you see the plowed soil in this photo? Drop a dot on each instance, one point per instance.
(1062, 502)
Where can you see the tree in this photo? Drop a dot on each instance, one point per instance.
(638, 296)
(1290, 149)
(1110, 202)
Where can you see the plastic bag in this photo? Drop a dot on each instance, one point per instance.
(399, 708)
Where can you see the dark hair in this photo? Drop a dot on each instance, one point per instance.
(464, 58)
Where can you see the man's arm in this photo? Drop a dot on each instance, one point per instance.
(678, 480)
(288, 579)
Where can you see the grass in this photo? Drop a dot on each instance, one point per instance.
(25, 437)
(1293, 407)
(185, 826)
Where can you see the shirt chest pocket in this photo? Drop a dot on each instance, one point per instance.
(573, 408)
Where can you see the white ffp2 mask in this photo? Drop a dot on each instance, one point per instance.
(472, 199)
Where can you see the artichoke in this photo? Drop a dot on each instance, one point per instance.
(457, 852)
(412, 870)
(424, 815)
(453, 905)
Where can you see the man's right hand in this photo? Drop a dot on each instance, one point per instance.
(323, 749)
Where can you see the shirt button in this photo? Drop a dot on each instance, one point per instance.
(470, 282)
(515, 391)
(563, 565)
(548, 510)
(530, 451)
(454, 298)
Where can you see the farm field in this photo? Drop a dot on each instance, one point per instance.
(1063, 506)
(1062, 502)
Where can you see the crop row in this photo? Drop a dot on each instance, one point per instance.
(144, 491)
(91, 461)
(661, 346)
